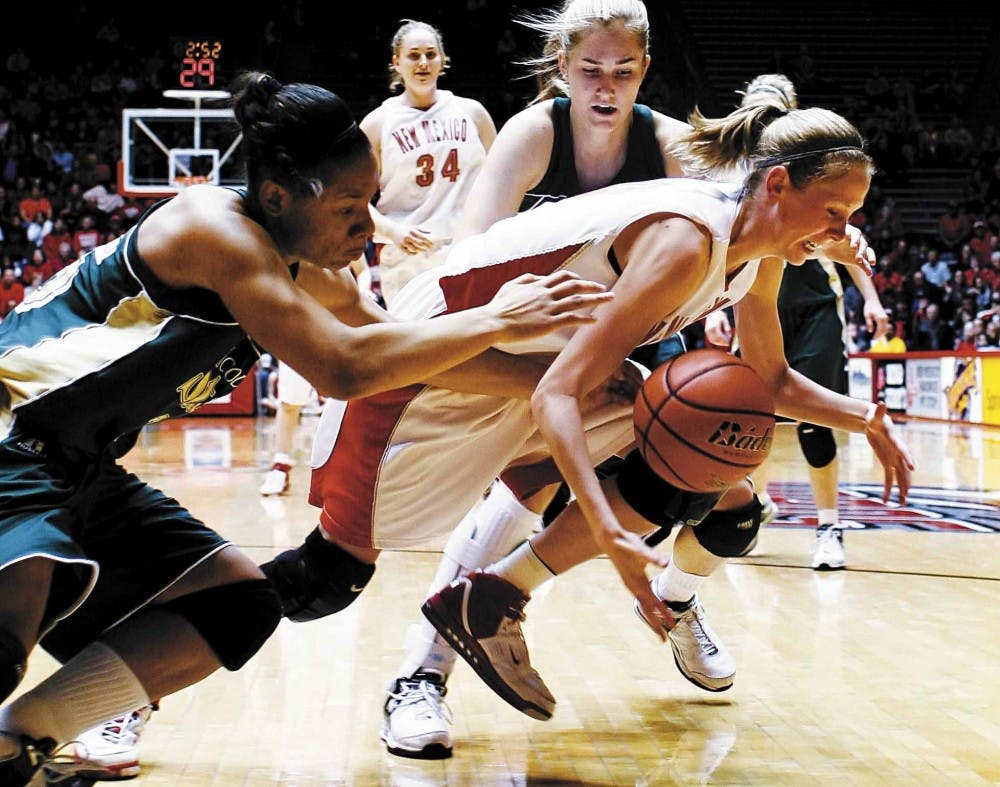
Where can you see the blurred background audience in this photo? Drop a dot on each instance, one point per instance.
(61, 104)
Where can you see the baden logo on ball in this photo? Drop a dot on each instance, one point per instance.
(704, 420)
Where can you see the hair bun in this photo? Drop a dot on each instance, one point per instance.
(268, 84)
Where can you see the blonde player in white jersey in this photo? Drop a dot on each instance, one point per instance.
(430, 145)
(405, 466)
(807, 173)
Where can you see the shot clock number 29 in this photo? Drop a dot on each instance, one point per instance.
(197, 62)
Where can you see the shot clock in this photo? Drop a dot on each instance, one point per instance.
(197, 62)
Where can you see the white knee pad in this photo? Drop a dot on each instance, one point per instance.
(493, 527)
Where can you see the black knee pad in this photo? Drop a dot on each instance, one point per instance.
(658, 502)
(13, 661)
(730, 533)
(605, 469)
(818, 445)
(234, 619)
(555, 508)
(317, 579)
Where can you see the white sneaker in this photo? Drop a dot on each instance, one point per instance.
(828, 549)
(698, 652)
(417, 718)
(480, 616)
(110, 751)
(276, 480)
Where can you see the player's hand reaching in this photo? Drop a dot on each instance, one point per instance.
(890, 451)
(630, 555)
(411, 240)
(852, 249)
(876, 318)
(718, 330)
(533, 305)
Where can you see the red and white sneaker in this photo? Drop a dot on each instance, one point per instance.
(110, 751)
(480, 615)
(277, 478)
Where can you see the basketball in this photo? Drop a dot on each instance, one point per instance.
(704, 420)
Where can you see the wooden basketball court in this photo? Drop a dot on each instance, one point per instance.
(886, 673)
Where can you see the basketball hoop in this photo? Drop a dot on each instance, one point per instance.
(197, 96)
(166, 150)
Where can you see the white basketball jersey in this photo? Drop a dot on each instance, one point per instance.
(577, 234)
(430, 158)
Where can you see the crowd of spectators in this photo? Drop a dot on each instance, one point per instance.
(59, 145)
(942, 292)
(60, 142)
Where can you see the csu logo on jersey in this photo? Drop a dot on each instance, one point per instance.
(198, 390)
(203, 386)
(729, 434)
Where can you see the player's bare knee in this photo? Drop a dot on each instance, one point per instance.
(818, 444)
(730, 533)
(235, 619)
(738, 495)
(317, 579)
(13, 662)
(658, 502)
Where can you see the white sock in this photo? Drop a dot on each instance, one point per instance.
(675, 585)
(827, 517)
(523, 568)
(281, 458)
(92, 687)
(426, 651)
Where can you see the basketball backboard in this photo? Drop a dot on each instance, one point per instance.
(164, 150)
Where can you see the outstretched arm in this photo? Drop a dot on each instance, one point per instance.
(797, 397)
(515, 162)
(350, 362)
(341, 361)
(492, 372)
